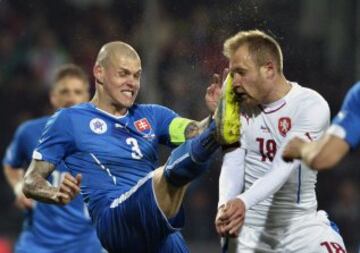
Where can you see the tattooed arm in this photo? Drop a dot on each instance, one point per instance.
(37, 187)
(196, 127)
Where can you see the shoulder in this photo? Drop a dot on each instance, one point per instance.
(353, 96)
(355, 89)
(310, 109)
(308, 103)
(71, 111)
(79, 108)
(308, 96)
(32, 124)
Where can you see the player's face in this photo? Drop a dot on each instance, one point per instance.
(121, 81)
(69, 91)
(249, 82)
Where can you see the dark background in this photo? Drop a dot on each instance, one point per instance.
(180, 43)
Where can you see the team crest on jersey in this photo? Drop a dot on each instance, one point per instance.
(284, 125)
(143, 125)
(98, 126)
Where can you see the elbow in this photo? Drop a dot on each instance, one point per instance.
(321, 162)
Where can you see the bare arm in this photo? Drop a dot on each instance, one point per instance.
(37, 187)
(332, 150)
(319, 155)
(14, 176)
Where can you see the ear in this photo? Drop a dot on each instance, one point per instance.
(98, 73)
(269, 70)
(53, 99)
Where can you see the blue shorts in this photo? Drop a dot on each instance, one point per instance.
(134, 223)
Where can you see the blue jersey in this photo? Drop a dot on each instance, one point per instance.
(349, 116)
(112, 154)
(49, 228)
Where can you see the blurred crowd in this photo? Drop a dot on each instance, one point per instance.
(180, 43)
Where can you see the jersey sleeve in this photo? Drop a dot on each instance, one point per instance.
(171, 127)
(56, 140)
(349, 117)
(15, 153)
(231, 179)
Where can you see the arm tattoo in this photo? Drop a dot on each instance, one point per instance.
(196, 127)
(36, 185)
(192, 130)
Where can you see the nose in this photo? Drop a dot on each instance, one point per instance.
(132, 81)
(73, 98)
(236, 81)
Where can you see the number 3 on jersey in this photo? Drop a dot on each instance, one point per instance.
(267, 149)
(136, 152)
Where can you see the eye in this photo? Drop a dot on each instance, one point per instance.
(79, 92)
(241, 72)
(137, 75)
(64, 92)
(122, 73)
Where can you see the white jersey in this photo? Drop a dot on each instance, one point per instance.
(265, 131)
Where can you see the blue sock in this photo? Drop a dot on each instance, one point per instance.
(189, 160)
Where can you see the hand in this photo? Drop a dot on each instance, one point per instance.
(68, 189)
(292, 149)
(213, 92)
(230, 218)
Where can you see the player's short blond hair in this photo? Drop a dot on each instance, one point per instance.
(261, 45)
(111, 50)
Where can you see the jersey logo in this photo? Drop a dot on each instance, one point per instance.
(142, 125)
(98, 126)
(284, 125)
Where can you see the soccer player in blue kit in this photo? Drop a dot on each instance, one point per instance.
(50, 228)
(342, 136)
(110, 145)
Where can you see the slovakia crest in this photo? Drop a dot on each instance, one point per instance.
(98, 126)
(284, 125)
(143, 126)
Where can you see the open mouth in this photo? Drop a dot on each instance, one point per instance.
(241, 96)
(128, 93)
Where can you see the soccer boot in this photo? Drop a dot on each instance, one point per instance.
(227, 115)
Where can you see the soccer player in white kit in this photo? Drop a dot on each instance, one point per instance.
(265, 203)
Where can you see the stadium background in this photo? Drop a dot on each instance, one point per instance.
(180, 43)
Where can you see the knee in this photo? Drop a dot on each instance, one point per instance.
(168, 197)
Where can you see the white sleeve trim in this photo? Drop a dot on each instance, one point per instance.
(337, 131)
(231, 180)
(37, 155)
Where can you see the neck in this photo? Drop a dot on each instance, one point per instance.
(106, 105)
(280, 88)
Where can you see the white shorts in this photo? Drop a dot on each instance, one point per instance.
(311, 235)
